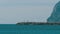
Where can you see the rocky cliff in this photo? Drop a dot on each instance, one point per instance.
(55, 16)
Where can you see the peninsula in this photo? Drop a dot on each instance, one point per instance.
(54, 19)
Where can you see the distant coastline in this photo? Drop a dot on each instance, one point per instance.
(37, 23)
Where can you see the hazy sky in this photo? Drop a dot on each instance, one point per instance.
(13, 11)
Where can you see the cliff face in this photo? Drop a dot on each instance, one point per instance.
(55, 16)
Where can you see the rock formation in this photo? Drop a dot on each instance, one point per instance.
(55, 16)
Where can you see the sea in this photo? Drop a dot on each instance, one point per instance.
(29, 29)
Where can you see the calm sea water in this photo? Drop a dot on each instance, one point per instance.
(29, 29)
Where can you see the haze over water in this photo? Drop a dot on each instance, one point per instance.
(12, 11)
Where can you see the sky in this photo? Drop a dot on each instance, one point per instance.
(13, 11)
